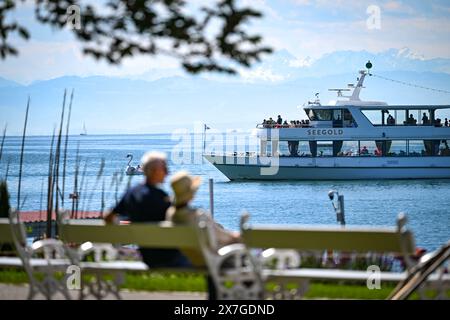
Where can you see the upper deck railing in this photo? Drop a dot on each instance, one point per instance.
(437, 124)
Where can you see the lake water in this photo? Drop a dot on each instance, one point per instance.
(376, 203)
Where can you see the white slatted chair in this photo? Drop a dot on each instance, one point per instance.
(46, 274)
(230, 267)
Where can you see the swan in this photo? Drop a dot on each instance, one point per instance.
(130, 170)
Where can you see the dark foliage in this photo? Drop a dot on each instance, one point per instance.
(207, 38)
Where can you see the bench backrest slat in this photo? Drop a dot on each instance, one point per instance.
(359, 240)
(5, 231)
(156, 235)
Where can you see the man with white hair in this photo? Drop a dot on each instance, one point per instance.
(146, 202)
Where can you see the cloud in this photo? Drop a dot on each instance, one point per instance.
(306, 28)
(301, 62)
(397, 7)
(326, 26)
(46, 60)
(262, 6)
(302, 2)
(260, 74)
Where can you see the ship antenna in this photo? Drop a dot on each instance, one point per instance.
(359, 85)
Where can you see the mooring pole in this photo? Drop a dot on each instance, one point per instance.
(341, 211)
(211, 196)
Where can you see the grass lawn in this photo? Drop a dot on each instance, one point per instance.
(196, 283)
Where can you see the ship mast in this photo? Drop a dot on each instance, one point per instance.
(359, 86)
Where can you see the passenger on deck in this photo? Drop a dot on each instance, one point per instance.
(390, 120)
(279, 120)
(446, 122)
(425, 119)
(411, 121)
(437, 122)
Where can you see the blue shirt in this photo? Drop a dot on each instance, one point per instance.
(146, 203)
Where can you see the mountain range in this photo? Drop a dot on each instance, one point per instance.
(276, 86)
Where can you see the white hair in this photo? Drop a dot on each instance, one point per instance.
(151, 159)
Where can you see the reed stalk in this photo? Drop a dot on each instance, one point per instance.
(97, 180)
(74, 195)
(82, 187)
(50, 189)
(3, 141)
(119, 182)
(102, 202)
(57, 157)
(7, 168)
(21, 154)
(40, 208)
(65, 150)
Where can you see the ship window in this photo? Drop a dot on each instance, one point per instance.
(321, 115)
(397, 149)
(347, 115)
(439, 115)
(283, 148)
(349, 122)
(337, 118)
(374, 116)
(444, 149)
(304, 149)
(349, 149)
(403, 115)
(416, 148)
(324, 148)
(367, 148)
(337, 115)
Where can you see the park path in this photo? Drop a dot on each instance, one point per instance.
(20, 292)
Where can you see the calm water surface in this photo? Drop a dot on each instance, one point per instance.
(426, 202)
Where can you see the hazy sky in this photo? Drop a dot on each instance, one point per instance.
(306, 28)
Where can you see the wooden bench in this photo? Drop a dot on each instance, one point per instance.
(92, 234)
(355, 240)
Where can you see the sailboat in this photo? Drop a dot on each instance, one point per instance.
(84, 130)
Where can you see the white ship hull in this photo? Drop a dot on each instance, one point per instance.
(331, 168)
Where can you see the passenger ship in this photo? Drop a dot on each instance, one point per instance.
(347, 139)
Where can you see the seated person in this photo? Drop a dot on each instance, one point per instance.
(181, 212)
(378, 152)
(146, 202)
(184, 187)
(364, 151)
